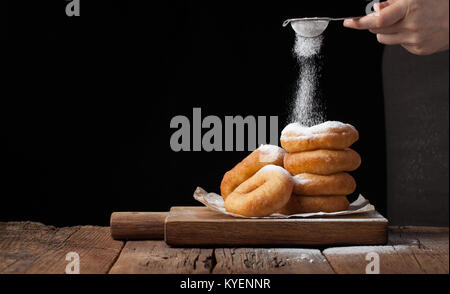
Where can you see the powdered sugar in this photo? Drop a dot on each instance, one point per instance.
(271, 167)
(307, 47)
(302, 130)
(270, 153)
(306, 108)
(301, 180)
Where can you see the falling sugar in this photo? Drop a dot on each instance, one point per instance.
(306, 47)
(307, 110)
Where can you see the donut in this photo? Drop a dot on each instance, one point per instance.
(307, 204)
(322, 161)
(327, 135)
(264, 155)
(336, 184)
(262, 194)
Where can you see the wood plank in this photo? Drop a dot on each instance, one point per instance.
(200, 226)
(22, 243)
(426, 237)
(431, 249)
(352, 260)
(270, 261)
(27, 247)
(94, 245)
(405, 254)
(156, 257)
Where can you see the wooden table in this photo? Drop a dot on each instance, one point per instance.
(28, 247)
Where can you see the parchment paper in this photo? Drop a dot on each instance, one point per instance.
(215, 202)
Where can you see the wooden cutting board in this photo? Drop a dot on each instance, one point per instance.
(200, 226)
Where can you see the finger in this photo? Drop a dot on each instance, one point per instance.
(392, 39)
(351, 23)
(417, 50)
(424, 45)
(392, 13)
(396, 28)
(385, 17)
(378, 6)
(357, 23)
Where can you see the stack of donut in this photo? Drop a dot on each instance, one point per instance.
(319, 158)
(310, 177)
(258, 185)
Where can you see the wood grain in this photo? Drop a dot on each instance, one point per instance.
(22, 243)
(405, 254)
(138, 225)
(155, 257)
(430, 246)
(270, 261)
(200, 226)
(27, 247)
(97, 251)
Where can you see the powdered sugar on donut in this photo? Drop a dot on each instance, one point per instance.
(301, 180)
(295, 130)
(328, 135)
(270, 153)
(300, 130)
(274, 168)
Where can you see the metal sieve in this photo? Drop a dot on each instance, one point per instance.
(310, 26)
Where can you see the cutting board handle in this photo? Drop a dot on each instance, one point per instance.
(138, 225)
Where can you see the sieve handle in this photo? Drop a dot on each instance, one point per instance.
(288, 21)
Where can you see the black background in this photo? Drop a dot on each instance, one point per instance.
(87, 101)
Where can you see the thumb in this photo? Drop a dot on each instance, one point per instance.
(388, 14)
(380, 5)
